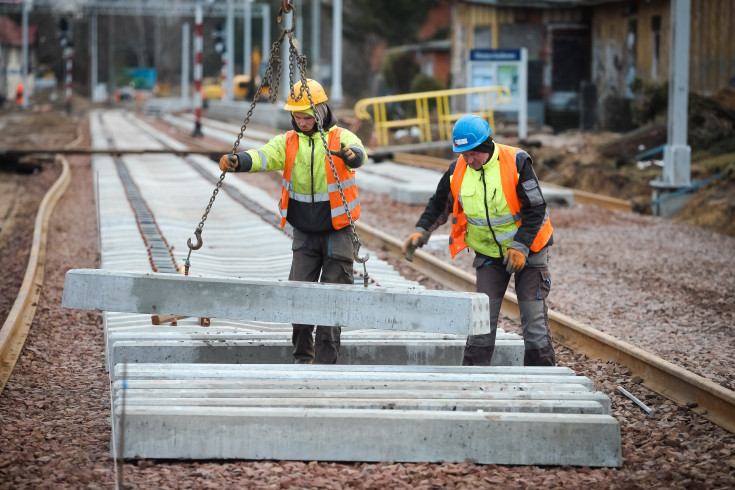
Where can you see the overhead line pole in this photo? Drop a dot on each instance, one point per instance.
(247, 34)
(286, 65)
(93, 55)
(336, 95)
(185, 53)
(315, 39)
(266, 44)
(229, 71)
(69, 55)
(677, 154)
(24, 69)
(197, 71)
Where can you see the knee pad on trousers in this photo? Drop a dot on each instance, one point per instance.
(535, 324)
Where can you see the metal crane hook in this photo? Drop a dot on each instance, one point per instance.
(198, 245)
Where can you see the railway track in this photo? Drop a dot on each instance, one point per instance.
(16, 326)
(683, 387)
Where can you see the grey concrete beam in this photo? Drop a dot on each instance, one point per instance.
(275, 351)
(278, 301)
(509, 385)
(224, 395)
(500, 415)
(289, 373)
(439, 403)
(383, 435)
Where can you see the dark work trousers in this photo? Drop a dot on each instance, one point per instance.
(320, 257)
(532, 285)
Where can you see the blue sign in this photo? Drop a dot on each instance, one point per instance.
(143, 78)
(495, 55)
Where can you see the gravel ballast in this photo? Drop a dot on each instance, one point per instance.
(659, 285)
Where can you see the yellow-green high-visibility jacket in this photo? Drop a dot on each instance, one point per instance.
(486, 210)
(308, 206)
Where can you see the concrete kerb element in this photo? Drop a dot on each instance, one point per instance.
(268, 351)
(556, 197)
(510, 401)
(509, 415)
(384, 435)
(130, 337)
(278, 301)
(438, 403)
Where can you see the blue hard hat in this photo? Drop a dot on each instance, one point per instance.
(469, 131)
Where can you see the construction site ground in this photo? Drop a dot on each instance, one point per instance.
(54, 413)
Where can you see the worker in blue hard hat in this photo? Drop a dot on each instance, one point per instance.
(499, 211)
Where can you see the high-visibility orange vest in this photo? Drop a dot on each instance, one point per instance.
(346, 179)
(509, 180)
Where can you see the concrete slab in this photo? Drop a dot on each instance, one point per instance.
(409, 185)
(351, 374)
(414, 185)
(278, 301)
(439, 403)
(383, 435)
(226, 396)
(557, 198)
(507, 385)
(353, 352)
(132, 338)
(500, 415)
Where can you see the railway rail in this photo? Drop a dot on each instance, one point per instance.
(16, 326)
(679, 385)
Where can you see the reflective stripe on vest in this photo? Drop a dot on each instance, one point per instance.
(509, 179)
(346, 179)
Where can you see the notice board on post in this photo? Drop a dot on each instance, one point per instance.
(506, 67)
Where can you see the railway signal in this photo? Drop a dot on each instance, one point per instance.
(220, 47)
(65, 38)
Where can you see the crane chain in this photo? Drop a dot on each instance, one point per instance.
(274, 77)
(273, 60)
(301, 63)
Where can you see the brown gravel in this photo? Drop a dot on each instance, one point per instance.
(656, 284)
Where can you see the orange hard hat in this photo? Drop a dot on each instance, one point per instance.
(318, 95)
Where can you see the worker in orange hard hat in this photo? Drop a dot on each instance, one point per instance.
(312, 202)
(19, 94)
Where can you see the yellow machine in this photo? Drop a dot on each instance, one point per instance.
(244, 87)
(211, 89)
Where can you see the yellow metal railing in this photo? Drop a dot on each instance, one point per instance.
(489, 98)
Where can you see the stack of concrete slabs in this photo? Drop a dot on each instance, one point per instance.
(193, 392)
(487, 415)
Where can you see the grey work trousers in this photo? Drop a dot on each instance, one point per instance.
(320, 257)
(532, 285)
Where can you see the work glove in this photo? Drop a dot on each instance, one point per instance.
(345, 153)
(415, 240)
(514, 261)
(228, 163)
